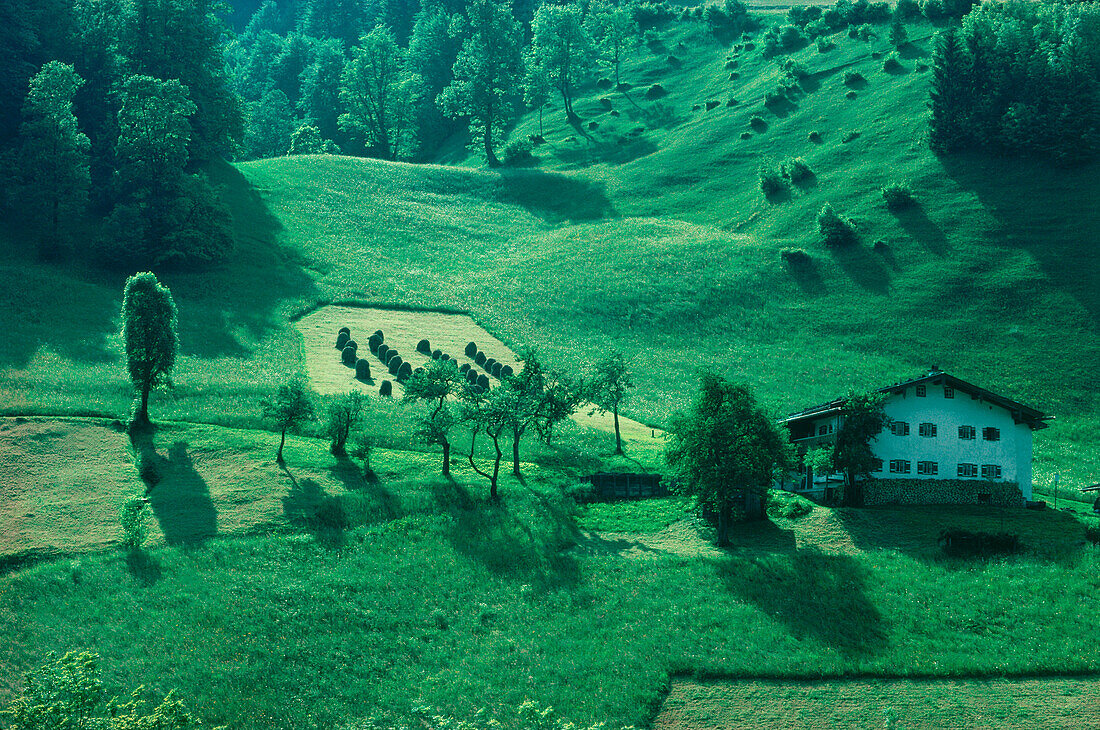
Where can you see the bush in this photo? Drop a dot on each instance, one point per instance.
(386, 389)
(824, 45)
(436, 354)
(603, 84)
(835, 230)
(851, 95)
(373, 343)
(394, 364)
(362, 369)
(506, 371)
(757, 123)
(787, 505)
(424, 346)
(897, 196)
(471, 349)
(348, 356)
(132, 517)
(966, 544)
(815, 137)
(771, 180)
(892, 65)
(655, 92)
(404, 372)
(746, 135)
(1092, 534)
(483, 381)
(495, 370)
(382, 350)
(797, 170)
(517, 153)
(854, 78)
(907, 9)
(480, 358)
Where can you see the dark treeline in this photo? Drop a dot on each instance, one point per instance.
(1020, 77)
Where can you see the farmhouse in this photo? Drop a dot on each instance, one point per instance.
(947, 442)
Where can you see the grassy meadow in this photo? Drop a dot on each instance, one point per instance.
(313, 596)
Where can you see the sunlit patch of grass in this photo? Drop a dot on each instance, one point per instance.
(640, 515)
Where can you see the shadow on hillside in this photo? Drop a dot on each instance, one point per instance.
(489, 533)
(915, 529)
(143, 567)
(181, 500)
(817, 596)
(922, 229)
(863, 267)
(911, 51)
(1049, 211)
(617, 150)
(224, 309)
(553, 196)
(808, 277)
(307, 505)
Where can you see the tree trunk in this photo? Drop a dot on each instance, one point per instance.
(618, 436)
(446, 458)
(490, 156)
(725, 517)
(143, 414)
(515, 451)
(279, 455)
(496, 469)
(541, 133)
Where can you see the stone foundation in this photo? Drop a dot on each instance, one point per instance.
(941, 491)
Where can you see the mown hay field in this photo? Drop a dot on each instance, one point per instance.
(1054, 703)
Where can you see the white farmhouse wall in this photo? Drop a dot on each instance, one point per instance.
(1012, 452)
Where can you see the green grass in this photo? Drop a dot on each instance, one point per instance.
(434, 605)
(643, 515)
(659, 244)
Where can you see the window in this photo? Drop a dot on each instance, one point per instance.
(822, 430)
(966, 433)
(928, 430)
(928, 467)
(899, 428)
(922, 391)
(991, 434)
(991, 471)
(968, 471)
(899, 466)
(948, 391)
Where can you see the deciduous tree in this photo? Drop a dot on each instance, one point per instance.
(491, 413)
(862, 419)
(380, 95)
(724, 449)
(436, 384)
(608, 388)
(613, 30)
(149, 334)
(561, 47)
(54, 156)
(344, 414)
(486, 73)
(290, 408)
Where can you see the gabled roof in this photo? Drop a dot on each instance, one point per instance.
(1033, 417)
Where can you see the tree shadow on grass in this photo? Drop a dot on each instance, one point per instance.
(863, 267)
(487, 532)
(144, 568)
(223, 309)
(308, 506)
(915, 221)
(818, 596)
(1049, 211)
(181, 500)
(910, 51)
(619, 149)
(808, 277)
(555, 197)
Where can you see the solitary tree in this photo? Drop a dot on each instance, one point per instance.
(561, 47)
(55, 151)
(724, 449)
(862, 419)
(291, 406)
(436, 383)
(344, 414)
(149, 333)
(486, 73)
(537, 399)
(608, 388)
(898, 35)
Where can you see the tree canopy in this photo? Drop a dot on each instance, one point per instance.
(149, 334)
